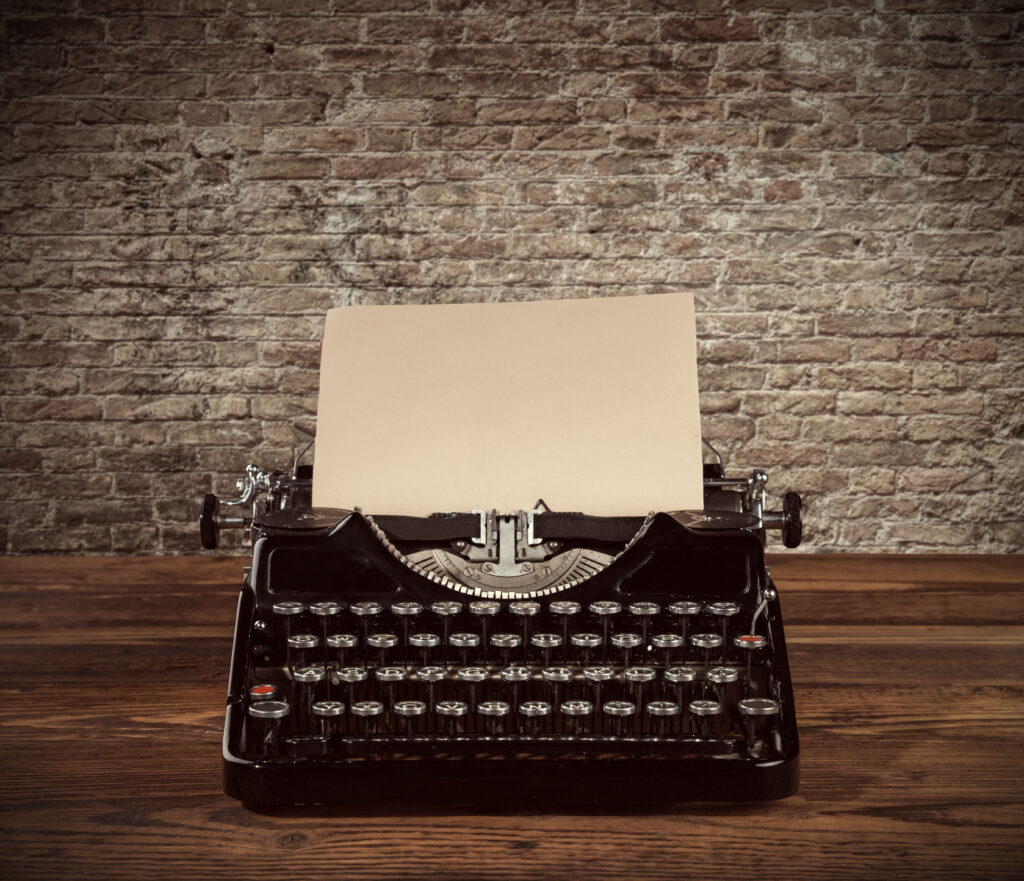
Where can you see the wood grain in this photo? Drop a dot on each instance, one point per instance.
(909, 676)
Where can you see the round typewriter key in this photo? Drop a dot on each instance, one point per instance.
(409, 712)
(638, 677)
(270, 713)
(389, 676)
(750, 644)
(596, 676)
(325, 611)
(546, 642)
(619, 711)
(262, 692)
(565, 609)
(464, 642)
(724, 611)
(586, 642)
(309, 674)
(471, 676)
(430, 675)
(706, 641)
(453, 711)
(668, 643)
(424, 642)
(661, 712)
(445, 609)
(302, 645)
(306, 680)
(704, 712)
(351, 676)
(405, 611)
(326, 712)
(684, 610)
(288, 610)
(525, 609)
(369, 711)
(495, 711)
(554, 678)
(604, 609)
(533, 712)
(342, 642)
(644, 612)
(484, 609)
(721, 678)
(382, 642)
(505, 642)
(756, 713)
(513, 676)
(577, 711)
(681, 680)
(365, 611)
(627, 642)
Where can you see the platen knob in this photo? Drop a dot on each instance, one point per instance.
(209, 531)
(792, 522)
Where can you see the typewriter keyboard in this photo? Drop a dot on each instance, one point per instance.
(330, 679)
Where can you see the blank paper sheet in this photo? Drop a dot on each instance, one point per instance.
(591, 405)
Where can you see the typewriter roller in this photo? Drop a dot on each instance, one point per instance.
(535, 649)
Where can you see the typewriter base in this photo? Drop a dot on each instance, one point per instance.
(609, 783)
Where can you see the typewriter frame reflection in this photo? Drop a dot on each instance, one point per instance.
(346, 681)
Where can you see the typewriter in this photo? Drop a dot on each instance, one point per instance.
(540, 649)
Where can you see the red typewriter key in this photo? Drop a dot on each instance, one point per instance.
(263, 692)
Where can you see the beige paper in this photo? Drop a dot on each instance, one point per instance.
(590, 405)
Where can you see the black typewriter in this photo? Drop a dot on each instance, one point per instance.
(532, 649)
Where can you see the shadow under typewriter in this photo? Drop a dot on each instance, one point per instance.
(651, 670)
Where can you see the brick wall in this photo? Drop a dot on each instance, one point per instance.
(186, 189)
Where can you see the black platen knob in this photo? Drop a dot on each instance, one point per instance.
(209, 532)
(792, 522)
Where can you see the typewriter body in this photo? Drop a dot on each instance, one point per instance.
(531, 650)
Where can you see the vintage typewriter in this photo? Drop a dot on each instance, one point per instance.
(536, 648)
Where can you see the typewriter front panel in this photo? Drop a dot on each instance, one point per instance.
(668, 666)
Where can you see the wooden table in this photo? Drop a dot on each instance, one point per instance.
(909, 674)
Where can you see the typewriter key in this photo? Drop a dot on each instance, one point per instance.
(288, 610)
(668, 643)
(525, 609)
(724, 611)
(577, 711)
(754, 711)
(546, 642)
(555, 678)
(430, 675)
(619, 711)
(383, 642)
(389, 676)
(704, 712)
(405, 611)
(495, 711)
(513, 676)
(506, 642)
(533, 712)
(644, 612)
(424, 642)
(341, 642)
(409, 712)
(326, 712)
(684, 609)
(270, 713)
(661, 712)
(627, 642)
(464, 642)
(720, 678)
(262, 692)
(325, 611)
(605, 609)
(306, 680)
(750, 644)
(365, 611)
(681, 679)
(471, 676)
(638, 677)
(484, 609)
(369, 711)
(352, 676)
(586, 642)
(565, 609)
(453, 711)
(706, 641)
(445, 609)
(302, 645)
(595, 676)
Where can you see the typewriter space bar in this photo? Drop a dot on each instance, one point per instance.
(565, 527)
